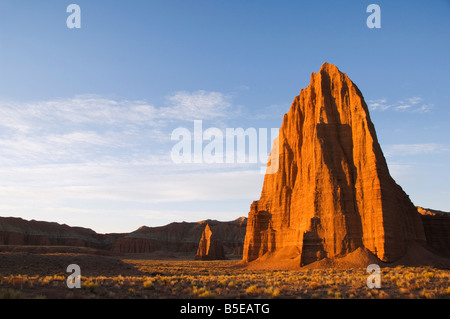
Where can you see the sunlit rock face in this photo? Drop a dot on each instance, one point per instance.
(333, 192)
(209, 247)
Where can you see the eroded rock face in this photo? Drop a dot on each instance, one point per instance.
(183, 237)
(17, 231)
(437, 229)
(209, 247)
(332, 192)
(178, 238)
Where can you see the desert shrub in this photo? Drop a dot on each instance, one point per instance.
(223, 282)
(273, 292)
(429, 274)
(404, 290)
(148, 284)
(119, 279)
(207, 294)
(17, 280)
(252, 289)
(89, 285)
(314, 285)
(45, 280)
(427, 294)
(10, 294)
(203, 292)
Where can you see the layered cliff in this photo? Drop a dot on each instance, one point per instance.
(333, 192)
(183, 237)
(437, 229)
(17, 234)
(18, 231)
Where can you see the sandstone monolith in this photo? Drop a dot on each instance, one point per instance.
(333, 192)
(209, 247)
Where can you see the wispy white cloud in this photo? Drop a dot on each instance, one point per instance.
(99, 111)
(89, 126)
(79, 193)
(424, 108)
(414, 100)
(90, 155)
(412, 104)
(199, 105)
(124, 183)
(379, 104)
(403, 107)
(415, 149)
(85, 109)
(73, 146)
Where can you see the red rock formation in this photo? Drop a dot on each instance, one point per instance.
(437, 229)
(17, 231)
(332, 192)
(431, 212)
(209, 247)
(180, 238)
(183, 238)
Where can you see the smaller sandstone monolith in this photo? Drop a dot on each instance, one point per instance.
(209, 247)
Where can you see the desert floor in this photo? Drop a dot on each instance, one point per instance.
(28, 275)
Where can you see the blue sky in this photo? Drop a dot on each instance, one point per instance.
(86, 115)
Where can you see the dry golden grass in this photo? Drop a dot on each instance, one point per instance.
(221, 279)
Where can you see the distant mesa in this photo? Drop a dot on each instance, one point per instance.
(20, 232)
(183, 238)
(209, 247)
(436, 224)
(175, 240)
(333, 195)
(431, 212)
